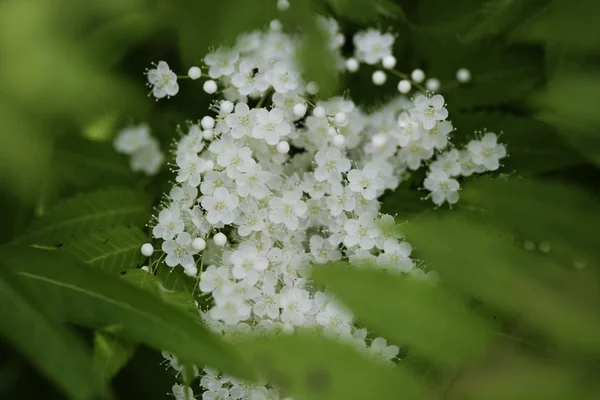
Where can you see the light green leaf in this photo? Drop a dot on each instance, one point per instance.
(89, 297)
(312, 367)
(532, 145)
(408, 312)
(492, 268)
(111, 353)
(112, 250)
(153, 284)
(85, 213)
(51, 348)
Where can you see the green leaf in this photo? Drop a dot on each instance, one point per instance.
(312, 367)
(85, 213)
(54, 350)
(111, 353)
(404, 203)
(111, 250)
(89, 297)
(366, 11)
(153, 284)
(532, 145)
(408, 311)
(490, 267)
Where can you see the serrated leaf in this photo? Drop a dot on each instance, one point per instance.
(111, 250)
(153, 284)
(492, 268)
(408, 312)
(312, 367)
(89, 297)
(111, 353)
(54, 350)
(532, 145)
(86, 213)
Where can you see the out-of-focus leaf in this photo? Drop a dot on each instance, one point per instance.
(151, 283)
(404, 203)
(408, 312)
(51, 348)
(111, 353)
(311, 367)
(85, 213)
(490, 267)
(86, 296)
(499, 16)
(365, 11)
(572, 23)
(532, 145)
(111, 250)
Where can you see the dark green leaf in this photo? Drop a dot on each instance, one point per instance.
(111, 250)
(311, 367)
(111, 353)
(86, 213)
(51, 348)
(365, 11)
(408, 312)
(92, 298)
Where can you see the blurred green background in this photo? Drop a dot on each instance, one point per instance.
(72, 75)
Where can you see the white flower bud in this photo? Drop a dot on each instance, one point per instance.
(207, 122)
(432, 84)
(220, 239)
(194, 73)
(332, 131)
(208, 134)
(379, 77)
(379, 140)
(312, 87)
(319, 112)
(147, 249)
(210, 86)
(209, 166)
(275, 25)
(339, 140)
(388, 62)
(226, 107)
(199, 244)
(283, 5)
(545, 247)
(404, 86)
(352, 64)
(145, 268)
(417, 76)
(529, 245)
(463, 75)
(299, 109)
(340, 118)
(283, 147)
(192, 270)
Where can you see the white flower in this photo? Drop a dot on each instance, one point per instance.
(248, 80)
(251, 219)
(215, 278)
(163, 81)
(179, 251)
(221, 394)
(367, 181)
(220, 206)
(322, 251)
(283, 77)
(396, 255)
(185, 195)
(241, 121)
(253, 181)
(169, 224)
(341, 199)
(267, 305)
(233, 159)
(372, 46)
(429, 110)
(437, 137)
(132, 138)
(286, 210)
(331, 164)
(380, 349)
(487, 151)
(362, 231)
(221, 62)
(295, 304)
(270, 126)
(449, 162)
(148, 159)
(190, 168)
(247, 263)
(230, 308)
(335, 319)
(410, 130)
(442, 187)
(214, 180)
(414, 154)
(181, 392)
(314, 188)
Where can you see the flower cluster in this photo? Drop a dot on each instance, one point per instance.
(279, 179)
(144, 149)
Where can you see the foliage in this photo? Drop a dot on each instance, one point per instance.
(503, 322)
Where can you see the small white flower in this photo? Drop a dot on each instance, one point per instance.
(335, 320)
(429, 110)
(396, 255)
(283, 77)
(214, 278)
(372, 46)
(148, 159)
(331, 164)
(248, 80)
(132, 138)
(380, 349)
(220, 206)
(437, 137)
(191, 168)
(286, 210)
(367, 181)
(179, 251)
(182, 392)
(487, 151)
(323, 251)
(169, 224)
(163, 81)
(253, 181)
(362, 232)
(295, 304)
(442, 187)
(221, 62)
(271, 126)
(247, 263)
(449, 162)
